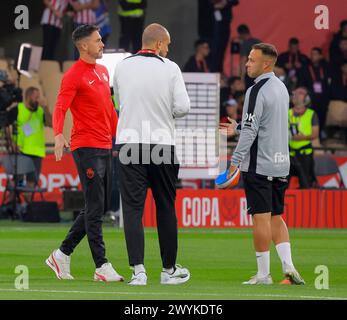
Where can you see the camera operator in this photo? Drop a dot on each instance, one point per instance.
(32, 116)
(10, 95)
(304, 128)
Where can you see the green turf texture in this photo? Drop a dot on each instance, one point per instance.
(219, 260)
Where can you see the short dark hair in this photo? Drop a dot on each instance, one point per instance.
(199, 42)
(233, 79)
(343, 23)
(238, 94)
(294, 41)
(319, 50)
(83, 31)
(266, 49)
(29, 91)
(243, 29)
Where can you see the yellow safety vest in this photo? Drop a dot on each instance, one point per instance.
(131, 13)
(31, 134)
(304, 124)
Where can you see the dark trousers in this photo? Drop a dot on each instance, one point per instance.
(219, 43)
(320, 104)
(114, 206)
(95, 170)
(302, 166)
(134, 181)
(51, 36)
(131, 33)
(33, 177)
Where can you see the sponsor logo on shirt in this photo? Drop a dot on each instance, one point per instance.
(281, 158)
(249, 117)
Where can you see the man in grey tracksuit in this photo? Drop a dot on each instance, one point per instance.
(263, 156)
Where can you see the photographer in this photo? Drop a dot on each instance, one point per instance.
(32, 116)
(10, 95)
(304, 128)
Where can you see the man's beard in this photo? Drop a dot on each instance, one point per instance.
(99, 55)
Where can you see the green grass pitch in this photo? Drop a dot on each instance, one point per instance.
(219, 260)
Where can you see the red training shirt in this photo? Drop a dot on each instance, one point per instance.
(85, 90)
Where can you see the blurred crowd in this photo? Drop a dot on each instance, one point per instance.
(131, 14)
(324, 77)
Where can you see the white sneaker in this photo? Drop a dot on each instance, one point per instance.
(292, 276)
(139, 279)
(180, 275)
(61, 266)
(107, 273)
(259, 280)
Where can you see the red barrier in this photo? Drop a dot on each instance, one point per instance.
(228, 209)
(217, 208)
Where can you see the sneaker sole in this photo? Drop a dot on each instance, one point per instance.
(257, 284)
(174, 281)
(51, 264)
(137, 284)
(99, 277)
(290, 276)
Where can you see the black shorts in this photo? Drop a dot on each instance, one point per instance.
(264, 194)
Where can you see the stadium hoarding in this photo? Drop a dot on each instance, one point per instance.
(205, 208)
(314, 208)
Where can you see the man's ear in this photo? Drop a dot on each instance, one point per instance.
(81, 45)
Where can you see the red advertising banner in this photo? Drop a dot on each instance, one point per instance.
(54, 176)
(205, 208)
(315, 208)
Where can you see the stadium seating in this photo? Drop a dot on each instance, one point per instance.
(67, 65)
(325, 166)
(26, 82)
(337, 114)
(48, 68)
(3, 64)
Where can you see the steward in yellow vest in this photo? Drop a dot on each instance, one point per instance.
(33, 115)
(132, 16)
(303, 128)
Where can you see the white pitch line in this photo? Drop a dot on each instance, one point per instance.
(175, 294)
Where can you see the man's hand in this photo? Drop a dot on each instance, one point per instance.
(60, 143)
(43, 102)
(229, 127)
(300, 137)
(231, 170)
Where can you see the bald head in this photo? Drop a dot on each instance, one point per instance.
(157, 38)
(153, 33)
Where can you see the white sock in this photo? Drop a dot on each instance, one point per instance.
(263, 262)
(169, 271)
(285, 254)
(139, 268)
(59, 254)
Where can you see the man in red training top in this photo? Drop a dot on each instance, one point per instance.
(85, 90)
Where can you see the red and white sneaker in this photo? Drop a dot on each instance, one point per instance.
(60, 266)
(107, 273)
